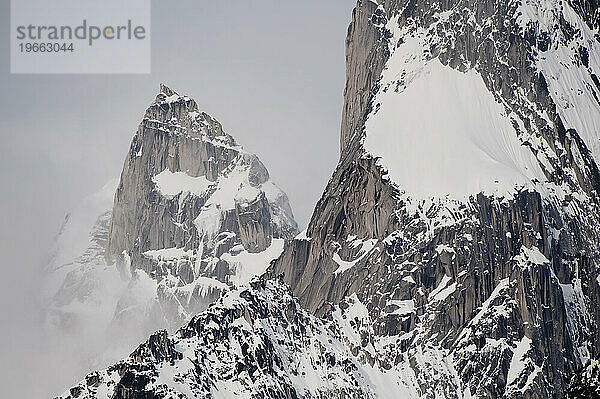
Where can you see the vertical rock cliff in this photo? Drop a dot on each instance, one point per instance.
(464, 211)
(455, 250)
(193, 211)
(193, 216)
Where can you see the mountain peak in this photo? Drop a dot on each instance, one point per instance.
(166, 90)
(183, 165)
(166, 94)
(223, 220)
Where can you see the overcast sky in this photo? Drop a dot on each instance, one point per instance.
(271, 71)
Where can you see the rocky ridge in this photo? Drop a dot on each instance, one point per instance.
(253, 342)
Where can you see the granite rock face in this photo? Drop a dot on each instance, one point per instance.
(192, 216)
(495, 293)
(189, 200)
(490, 296)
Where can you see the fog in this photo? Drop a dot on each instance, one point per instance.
(271, 72)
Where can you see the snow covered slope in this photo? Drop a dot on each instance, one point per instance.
(451, 137)
(570, 65)
(440, 131)
(255, 342)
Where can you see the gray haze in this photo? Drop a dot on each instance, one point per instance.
(272, 72)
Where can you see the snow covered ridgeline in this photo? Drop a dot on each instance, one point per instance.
(258, 340)
(255, 342)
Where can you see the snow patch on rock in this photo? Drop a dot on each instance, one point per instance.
(463, 145)
(171, 184)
